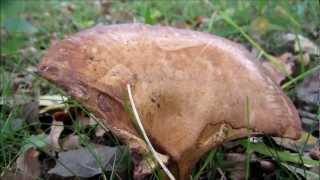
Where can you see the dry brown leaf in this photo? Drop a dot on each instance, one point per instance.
(85, 162)
(309, 90)
(296, 145)
(29, 164)
(191, 88)
(147, 165)
(303, 44)
(315, 153)
(31, 112)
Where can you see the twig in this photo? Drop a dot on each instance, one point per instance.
(144, 134)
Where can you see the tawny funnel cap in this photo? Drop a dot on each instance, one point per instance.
(192, 89)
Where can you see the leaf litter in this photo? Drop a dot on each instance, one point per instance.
(29, 164)
(84, 162)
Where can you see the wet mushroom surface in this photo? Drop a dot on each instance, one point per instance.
(194, 91)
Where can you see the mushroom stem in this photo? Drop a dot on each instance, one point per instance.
(144, 134)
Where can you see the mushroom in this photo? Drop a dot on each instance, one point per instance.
(192, 89)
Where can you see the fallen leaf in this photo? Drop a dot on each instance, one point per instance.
(234, 164)
(315, 153)
(309, 175)
(315, 169)
(53, 108)
(307, 141)
(31, 112)
(309, 90)
(50, 100)
(147, 165)
(310, 122)
(11, 175)
(301, 43)
(29, 164)
(52, 139)
(84, 162)
(48, 142)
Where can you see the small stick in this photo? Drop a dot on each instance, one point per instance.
(144, 134)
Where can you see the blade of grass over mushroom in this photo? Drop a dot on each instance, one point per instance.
(300, 77)
(145, 137)
(269, 57)
(248, 151)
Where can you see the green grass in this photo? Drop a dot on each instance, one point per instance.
(27, 27)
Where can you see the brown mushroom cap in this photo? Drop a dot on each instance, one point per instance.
(191, 88)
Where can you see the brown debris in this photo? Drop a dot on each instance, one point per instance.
(309, 90)
(29, 165)
(315, 153)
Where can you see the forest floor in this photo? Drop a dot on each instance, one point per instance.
(35, 145)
